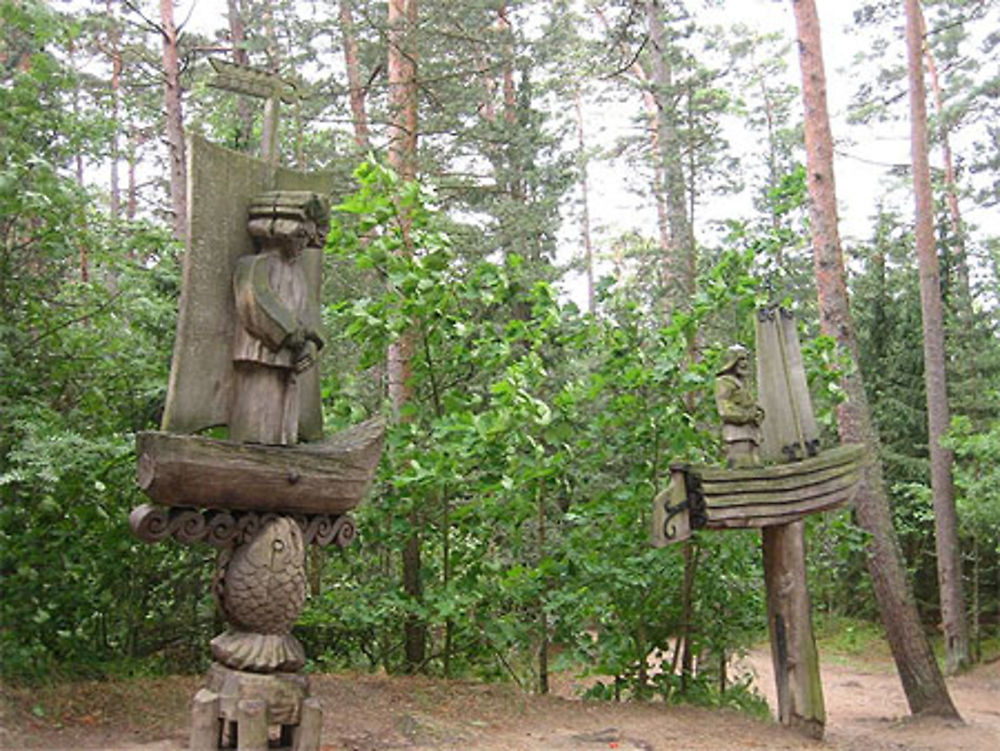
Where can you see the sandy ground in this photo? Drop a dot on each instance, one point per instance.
(865, 707)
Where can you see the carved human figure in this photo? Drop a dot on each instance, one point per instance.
(740, 413)
(274, 340)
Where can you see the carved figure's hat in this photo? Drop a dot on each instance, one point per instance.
(281, 213)
(733, 356)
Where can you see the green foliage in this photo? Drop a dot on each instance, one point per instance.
(536, 437)
(977, 479)
(83, 343)
(530, 454)
(847, 637)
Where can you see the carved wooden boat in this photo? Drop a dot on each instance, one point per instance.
(325, 477)
(700, 496)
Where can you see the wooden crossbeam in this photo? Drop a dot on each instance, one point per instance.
(253, 82)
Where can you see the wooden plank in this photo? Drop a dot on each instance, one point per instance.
(789, 423)
(310, 728)
(754, 515)
(771, 519)
(827, 458)
(254, 82)
(778, 484)
(772, 388)
(833, 484)
(221, 183)
(330, 477)
(677, 527)
(798, 386)
(251, 725)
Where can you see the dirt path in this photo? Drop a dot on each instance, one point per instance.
(866, 708)
(865, 705)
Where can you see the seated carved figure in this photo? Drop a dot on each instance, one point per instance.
(740, 413)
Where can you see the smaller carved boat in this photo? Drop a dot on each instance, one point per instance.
(700, 496)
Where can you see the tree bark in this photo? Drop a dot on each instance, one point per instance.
(132, 195)
(175, 119)
(356, 92)
(680, 251)
(116, 76)
(949, 559)
(402, 69)
(919, 673)
(961, 261)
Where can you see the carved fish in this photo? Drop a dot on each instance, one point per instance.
(264, 587)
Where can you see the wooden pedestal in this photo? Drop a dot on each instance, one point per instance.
(244, 711)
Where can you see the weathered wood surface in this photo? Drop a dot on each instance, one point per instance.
(832, 457)
(328, 477)
(221, 185)
(310, 409)
(310, 727)
(671, 517)
(206, 725)
(253, 82)
(790, 426)
(811, 499)
(754, 497)
(251, 722)
(789, 616)
(790, 434)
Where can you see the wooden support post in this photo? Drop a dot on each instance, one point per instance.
(310, 727)
(251, 721)
(206, 727)
(789, 617)
(269, 131)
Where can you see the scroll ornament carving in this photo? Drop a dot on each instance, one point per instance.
(221, 528)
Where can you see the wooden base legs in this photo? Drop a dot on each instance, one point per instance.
(789, 619)
(239, 711)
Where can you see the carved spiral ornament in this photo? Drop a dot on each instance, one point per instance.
(151, 523)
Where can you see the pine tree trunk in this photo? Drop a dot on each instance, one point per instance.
(402, 68)
(950, 190)
(681, 247)
(175, 119)
(356, 92)
(921, 677)
(653, 115)
(949, 559)
(132, 159)
(116, 76)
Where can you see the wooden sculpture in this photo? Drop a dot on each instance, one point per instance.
(776, 477)
(246, 361)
